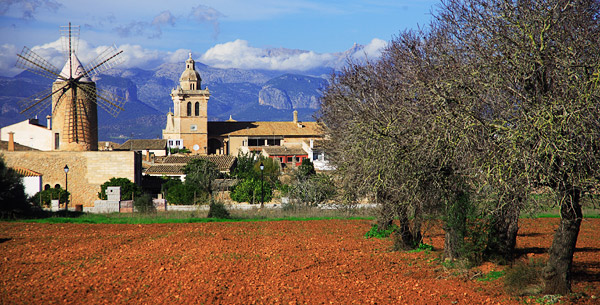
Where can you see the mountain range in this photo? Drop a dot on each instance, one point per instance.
(242, 94)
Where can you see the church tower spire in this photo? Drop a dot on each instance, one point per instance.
(189, 121)
(190, 78)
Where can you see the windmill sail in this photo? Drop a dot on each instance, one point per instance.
(74, 96)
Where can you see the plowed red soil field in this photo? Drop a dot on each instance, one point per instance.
(279, 262)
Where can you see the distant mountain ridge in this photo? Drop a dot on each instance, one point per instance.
(244, 94)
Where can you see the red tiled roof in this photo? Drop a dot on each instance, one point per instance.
(173, 164)
(264, 129)
(26, 172)
(284, 151)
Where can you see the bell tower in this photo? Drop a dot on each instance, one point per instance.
(189, 121)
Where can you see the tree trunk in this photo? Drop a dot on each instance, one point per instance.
(408, 236)
(503, 233)
(456, 225)
(557, 272)
(385, 216)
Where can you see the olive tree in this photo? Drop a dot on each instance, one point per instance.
(537, 63)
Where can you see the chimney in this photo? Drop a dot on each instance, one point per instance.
(49, 119)
(147, 155)
(295, 116)
(11, 141)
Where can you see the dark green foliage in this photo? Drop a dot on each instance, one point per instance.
(305, 170)
(129, 190)
(245, 166)
(271, 172)
(181, 151)
(218, 210)
(144, 204)
(249, 190)
(378, 233)
(177, 192)
(45, 197)
(200, 173)
(13, 200)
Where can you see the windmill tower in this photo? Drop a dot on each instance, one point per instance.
(73, 96)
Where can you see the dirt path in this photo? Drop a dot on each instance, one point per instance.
(284, 262)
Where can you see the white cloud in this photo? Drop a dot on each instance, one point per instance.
(235, 54)
(370, 51)
(239, 54)
(206, 14)
(134, 56)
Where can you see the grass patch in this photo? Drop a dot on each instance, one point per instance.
(199, 217)
(422, 248)
(492, 276)
(376, 232)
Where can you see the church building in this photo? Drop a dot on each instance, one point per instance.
(286, 141)
(188, 121)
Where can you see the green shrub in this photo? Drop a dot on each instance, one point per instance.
(177, 192)
(144, 204)
(377, 233)
(218, 210)
(45, 197)
(249, 190)
(129, 189)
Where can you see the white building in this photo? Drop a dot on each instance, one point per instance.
(31, 180)
(29, 133)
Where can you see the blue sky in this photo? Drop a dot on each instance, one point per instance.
(224, 33)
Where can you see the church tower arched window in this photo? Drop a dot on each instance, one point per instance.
(197, 109)
(189, 109)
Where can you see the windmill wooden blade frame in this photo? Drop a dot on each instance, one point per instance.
(34, 63)
(36, 103)
(112, 105)
(106, 60)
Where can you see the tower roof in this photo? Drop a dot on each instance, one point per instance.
(190, 73)
(76, 69)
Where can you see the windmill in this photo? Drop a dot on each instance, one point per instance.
(73, 96)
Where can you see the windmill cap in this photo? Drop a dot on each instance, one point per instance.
(76, 70)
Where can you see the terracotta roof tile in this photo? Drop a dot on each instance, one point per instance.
(143, 144)
(26, 172)
(165, 169)
(283, 151)
(174, 164)
(264, 129)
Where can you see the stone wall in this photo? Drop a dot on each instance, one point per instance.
(88, 170)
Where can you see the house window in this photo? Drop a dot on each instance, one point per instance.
(177, 143)
(170, 142)
(274, 142)
(197, 109)
(298, 159)
(194, 127)
(290, 159)
(254, 142)
(280, 159)
(56, 140)
(189, 109)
